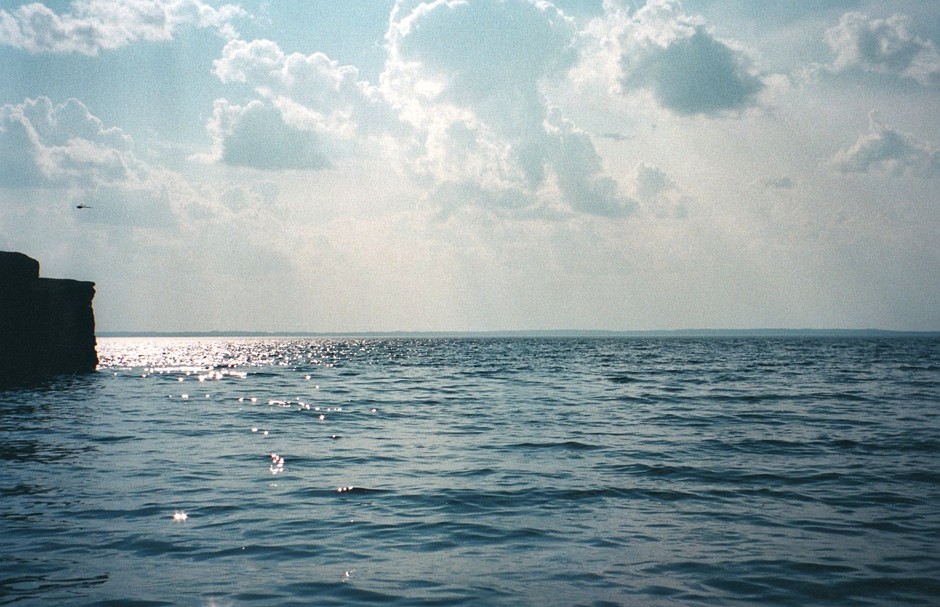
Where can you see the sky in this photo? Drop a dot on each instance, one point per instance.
(477, 165)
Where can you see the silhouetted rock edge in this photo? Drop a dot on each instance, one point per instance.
(47, 325)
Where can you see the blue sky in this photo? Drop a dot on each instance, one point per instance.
(478, 164)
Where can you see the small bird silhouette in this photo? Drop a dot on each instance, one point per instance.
(82, 206)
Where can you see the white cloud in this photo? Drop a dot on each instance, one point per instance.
(661, 49)
(68, 151)
(884, 46)
(95, 25)
(312, 109)
(467, 78)
(42, 144)
(886, 150)
(459, 108)
(475, 51)
(19, 150)
(312, 91)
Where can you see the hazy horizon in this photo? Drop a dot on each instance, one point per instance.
(492, 165)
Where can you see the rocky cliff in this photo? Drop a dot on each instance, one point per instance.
(47, 325)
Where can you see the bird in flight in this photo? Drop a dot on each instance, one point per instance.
(82, 206)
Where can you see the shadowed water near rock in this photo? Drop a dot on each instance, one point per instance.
(47, 325)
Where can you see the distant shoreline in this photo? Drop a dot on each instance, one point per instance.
(536, 333)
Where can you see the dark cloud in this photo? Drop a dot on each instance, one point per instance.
(256, 136)
(695, 74)
(658, 193)
(580, 172)
(615, 136)
(651, 181)
(778, 183)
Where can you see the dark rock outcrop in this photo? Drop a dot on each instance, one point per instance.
(47, 325)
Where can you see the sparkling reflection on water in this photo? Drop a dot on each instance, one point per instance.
(477, 471)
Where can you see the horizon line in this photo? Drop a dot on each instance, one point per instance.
(755, 332)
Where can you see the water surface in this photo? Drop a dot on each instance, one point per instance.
(641, 471)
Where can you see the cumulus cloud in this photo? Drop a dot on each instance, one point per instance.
(661, 49)
(458, 107)
(42, 144)
(95, 25)
(884, 46)
(471, 52)
(20, 149)
(255, 135)
(580, 175)
(466, 78)
(694, 75)
(885, 150)
(312, 92)
(65, 148)
(311, 108)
